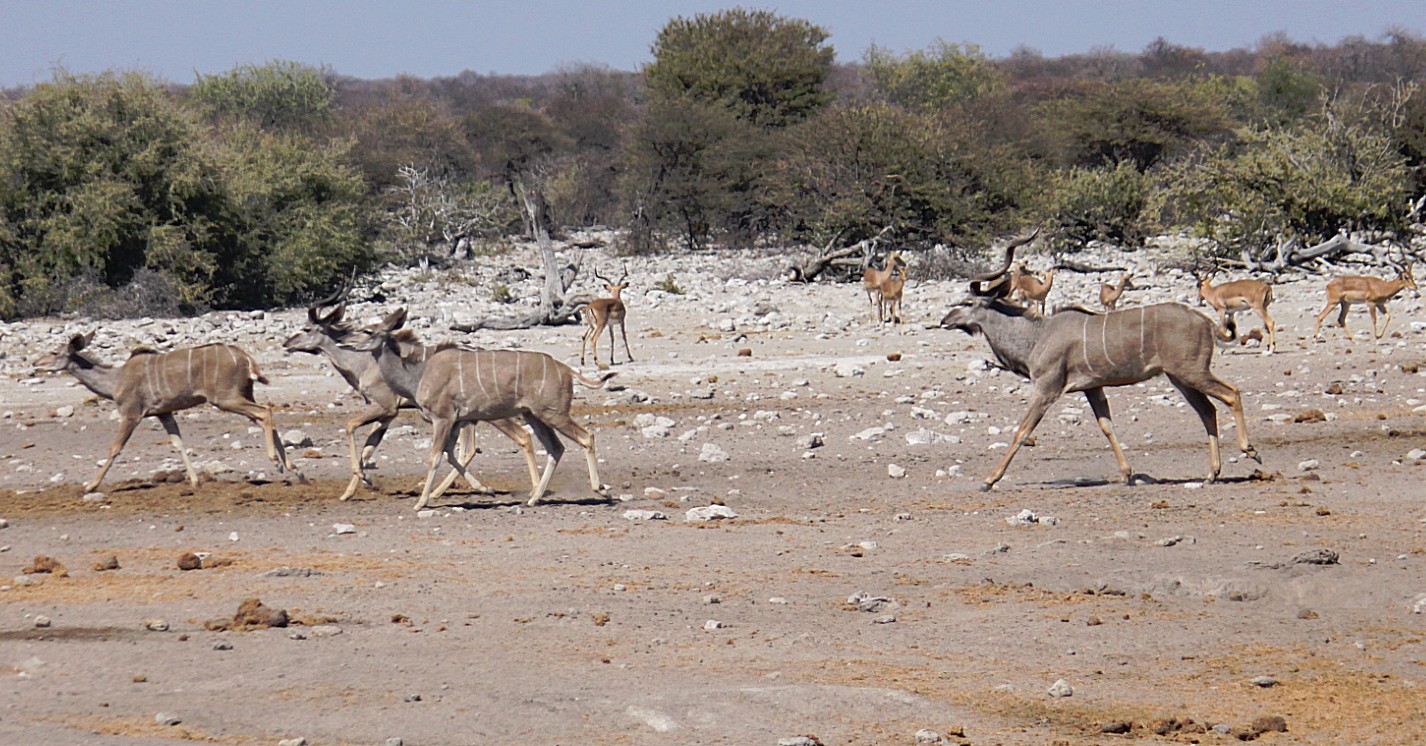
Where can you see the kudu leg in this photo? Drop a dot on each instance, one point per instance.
(176, 438)
(126, 429)
(383, 417)
(460, 458)
(525, 441)
(585, 439)
(1229, 395)
(1099, 403)
(1209, 416)
(553, 447)
(1039, 404)
(262, 415)
(440, 446)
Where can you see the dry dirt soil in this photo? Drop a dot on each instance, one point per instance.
(842, 604)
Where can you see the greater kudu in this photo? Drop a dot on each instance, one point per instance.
(1077, 350)
(325, 334)
(157, 384)
(454, 385)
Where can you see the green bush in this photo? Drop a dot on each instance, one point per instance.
(1104, 204)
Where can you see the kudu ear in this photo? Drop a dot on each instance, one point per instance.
(394, 321)
(80, 341)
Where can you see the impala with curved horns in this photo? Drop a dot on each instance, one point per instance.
(602, 312)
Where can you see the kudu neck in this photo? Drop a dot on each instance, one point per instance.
(96, 376)
(401, 374)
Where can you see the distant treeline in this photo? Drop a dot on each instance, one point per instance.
(268, 184)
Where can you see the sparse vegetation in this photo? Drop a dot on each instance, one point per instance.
(269, 183)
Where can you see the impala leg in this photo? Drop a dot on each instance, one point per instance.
(612, 340)
(588, 329)
(1342, 321)
(1387, 322)
(525, 441)
(594, 342)
(440, 445)
(553, 447)
(176, 438)
(1099, 403)
(624, 332)
(1317, 328)
(126, 429)
(1270, 328)
(1039, 404)
(1209, 416)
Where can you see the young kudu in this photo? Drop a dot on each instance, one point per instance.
(1374, 292)
(1240, 295)
(1110, 294)
(454, 385)
(602, 312)
(157, 384)
(873, 278)
(325, 334)
(1077, 350)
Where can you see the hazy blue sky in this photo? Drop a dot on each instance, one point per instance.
(173, 39)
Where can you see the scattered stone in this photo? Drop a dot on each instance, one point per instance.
(155, 625)
(167, 718)
(394, 742)
(644, 515)
(712, 453)
(799, 741)
(745, 352)
(709, 513)
(326, 630)
(848, 370)
(189, 561)
(42, 621)
(926, 735)
(811, 441)
(1311, 415)
(223, 646)
(1309, 465)
(1061, 688)
(895, 471)
(44, 565)
(713, 624)
(106, 563)
(871, 604)
(1029, 517)
(1117, 726)
(296, 439)
(343, 528)
(64, 411)
(869, 434)
(1415, 454)
(299, 741)
(1269, 724)
(4, 523)
(1265, 682)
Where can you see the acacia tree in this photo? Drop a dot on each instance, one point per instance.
(278, 95)
(766, 69)
(929, 80)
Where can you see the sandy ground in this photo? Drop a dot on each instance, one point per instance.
(842, 604)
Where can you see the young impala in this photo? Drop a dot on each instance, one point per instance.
(873, 278)
(1109, 295)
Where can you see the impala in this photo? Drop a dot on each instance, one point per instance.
(1110, 294)
(890, 292)
(454, 385)
(1239, 295)
(606, 311)
(1374, 292)
(1078, 350)
(872, 279)
(157, 384)
(1028, 287)
(324, 335)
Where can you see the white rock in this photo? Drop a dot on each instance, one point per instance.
(1416, 454)
(895, 471)
(871, 433)
(167, 718)
(848, 370)
(64, 411)
(1061, 688)
(644, 515)
(712, 453)
(343, 528)
(709, 513)
(296, 439)
(1309, 465)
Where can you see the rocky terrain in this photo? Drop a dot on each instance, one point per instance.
(794, 550)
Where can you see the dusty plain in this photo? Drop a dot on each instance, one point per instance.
(843, 604)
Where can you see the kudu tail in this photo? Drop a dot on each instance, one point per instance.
(596, 383)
